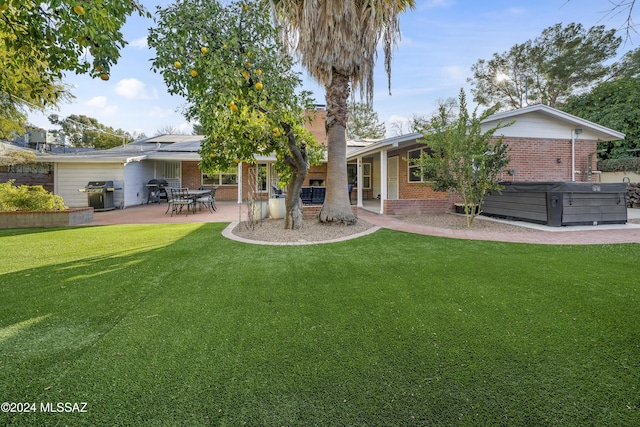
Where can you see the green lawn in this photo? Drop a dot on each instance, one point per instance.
(165, 325)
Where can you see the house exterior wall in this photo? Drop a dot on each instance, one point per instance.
(536, 159)
(317, 125)
(70, 177)
(136, 176)
(532, 160)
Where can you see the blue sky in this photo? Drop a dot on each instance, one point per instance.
(441, 40)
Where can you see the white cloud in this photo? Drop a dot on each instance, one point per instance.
(97, 101)
(140, 43)
(132, 89)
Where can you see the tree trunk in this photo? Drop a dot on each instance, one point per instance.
(298, 161)
(293, 219)
(337, 208)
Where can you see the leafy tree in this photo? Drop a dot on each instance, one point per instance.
(41, 39)
(170, 130)
(615, 104)
(23, 85)
(364, 122)
(400, 127)
(461, 157)
(337, 43)
(83, 131)
(547, 70)
(240, 86)
(628, 67)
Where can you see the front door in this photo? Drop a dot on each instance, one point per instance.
(392, 178)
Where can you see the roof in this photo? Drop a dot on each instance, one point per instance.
(384, 144)
(163, 147)
(590, 130)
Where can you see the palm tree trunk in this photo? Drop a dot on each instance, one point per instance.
(336, 208)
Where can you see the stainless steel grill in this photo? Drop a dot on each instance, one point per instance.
(100, 195)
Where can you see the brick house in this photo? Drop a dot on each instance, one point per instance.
(545, 145)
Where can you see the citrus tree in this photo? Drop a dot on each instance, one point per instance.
(40, 40)
(226, 61)
(461, 157)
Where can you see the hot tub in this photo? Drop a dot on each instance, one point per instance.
(559, 203)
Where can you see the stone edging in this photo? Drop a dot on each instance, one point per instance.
(228, 233)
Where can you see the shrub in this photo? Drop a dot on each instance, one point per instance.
(28, 198)
(620, 165)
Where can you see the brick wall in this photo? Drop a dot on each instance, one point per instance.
(46, 219)
(317, 126)
(191, 175)
(310, 212)
(546, 159)
(420, 206)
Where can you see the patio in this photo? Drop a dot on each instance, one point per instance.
(233, 212)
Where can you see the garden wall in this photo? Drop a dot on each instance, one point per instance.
(619, 177)
(46, 219)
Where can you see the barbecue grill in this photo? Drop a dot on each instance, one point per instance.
(156, 190)
(100, 195)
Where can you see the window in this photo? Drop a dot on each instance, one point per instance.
(220, 178)
(172, 170)
(415, 174)
(262, 178)
(352, 174)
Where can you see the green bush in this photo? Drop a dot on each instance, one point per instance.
(620, 165)
(28, 198)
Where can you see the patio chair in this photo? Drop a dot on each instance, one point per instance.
(277, 192)
(305, 195)
(317, 195)
(209, 201)
(179, 199)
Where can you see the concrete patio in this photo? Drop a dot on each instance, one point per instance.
(233, 212)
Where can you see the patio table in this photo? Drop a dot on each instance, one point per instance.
(194, 194)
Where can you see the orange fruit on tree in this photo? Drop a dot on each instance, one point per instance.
(78, 9)
(104, 76)
(193, 73)
(259, 85)
(204, 49)
(177, 64)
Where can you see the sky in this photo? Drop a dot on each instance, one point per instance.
(441, 40)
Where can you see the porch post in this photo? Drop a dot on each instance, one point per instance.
(359, 182)
(240, 183)
(383, 179)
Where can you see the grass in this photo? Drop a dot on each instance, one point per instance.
(164, 325)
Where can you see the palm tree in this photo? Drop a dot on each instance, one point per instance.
(337, 41)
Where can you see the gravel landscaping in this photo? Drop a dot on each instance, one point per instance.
(270, 230)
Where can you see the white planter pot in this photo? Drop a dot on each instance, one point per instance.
(260, 210)
(277, 208)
